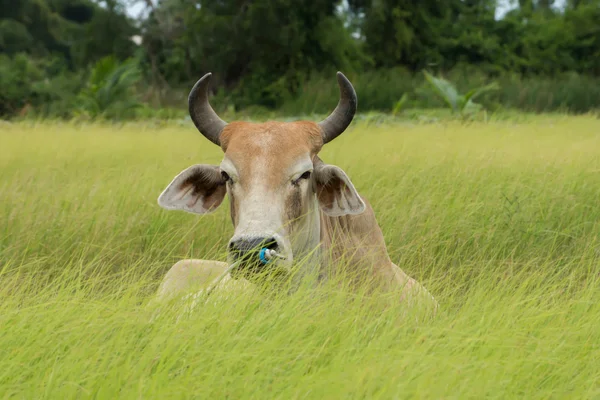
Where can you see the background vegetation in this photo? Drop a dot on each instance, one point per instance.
(499, 220)
(281, 55)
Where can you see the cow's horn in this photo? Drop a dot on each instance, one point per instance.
(205, 118)
(341, 117)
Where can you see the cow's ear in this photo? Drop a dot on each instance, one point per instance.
(199, 189)
(336, 194)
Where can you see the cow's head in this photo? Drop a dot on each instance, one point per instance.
(275, 180)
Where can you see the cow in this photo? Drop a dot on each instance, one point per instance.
(285, 201)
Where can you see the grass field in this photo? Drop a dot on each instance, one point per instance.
(499, 220)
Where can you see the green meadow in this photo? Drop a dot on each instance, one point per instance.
(500, 221)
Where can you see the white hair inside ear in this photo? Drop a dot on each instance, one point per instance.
(199, 189)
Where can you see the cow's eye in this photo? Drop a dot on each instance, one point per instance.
(225, 176)
(305, 175)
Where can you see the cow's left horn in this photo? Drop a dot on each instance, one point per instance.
(205, 118)
(341, 117)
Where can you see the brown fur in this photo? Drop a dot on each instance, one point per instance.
(278, 143)
(233, 209)
(356, 241)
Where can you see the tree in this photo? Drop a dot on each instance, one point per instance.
(264, 48)
(78, 31)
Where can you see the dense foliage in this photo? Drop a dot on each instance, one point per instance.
(271, 53)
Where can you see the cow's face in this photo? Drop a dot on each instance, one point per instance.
(276, 185)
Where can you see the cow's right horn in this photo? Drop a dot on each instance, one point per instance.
(341, 117)
(205, 118)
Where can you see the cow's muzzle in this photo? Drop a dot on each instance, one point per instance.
(255, 254)
(248, 249)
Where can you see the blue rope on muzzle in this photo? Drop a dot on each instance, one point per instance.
(266, 255)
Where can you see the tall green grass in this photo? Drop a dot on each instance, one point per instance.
(500, 221)
(380, 90)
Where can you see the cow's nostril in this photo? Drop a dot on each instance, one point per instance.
(270, 244)
(232, 245)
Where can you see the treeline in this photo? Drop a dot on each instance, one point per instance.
(282, 54)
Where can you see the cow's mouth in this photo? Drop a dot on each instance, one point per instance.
(253, 270)
(257, 259)
(258, 263)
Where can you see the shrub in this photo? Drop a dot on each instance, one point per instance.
(381, 90)
(458, 103)
(110, 90)
(17, 75)
(29, 86)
